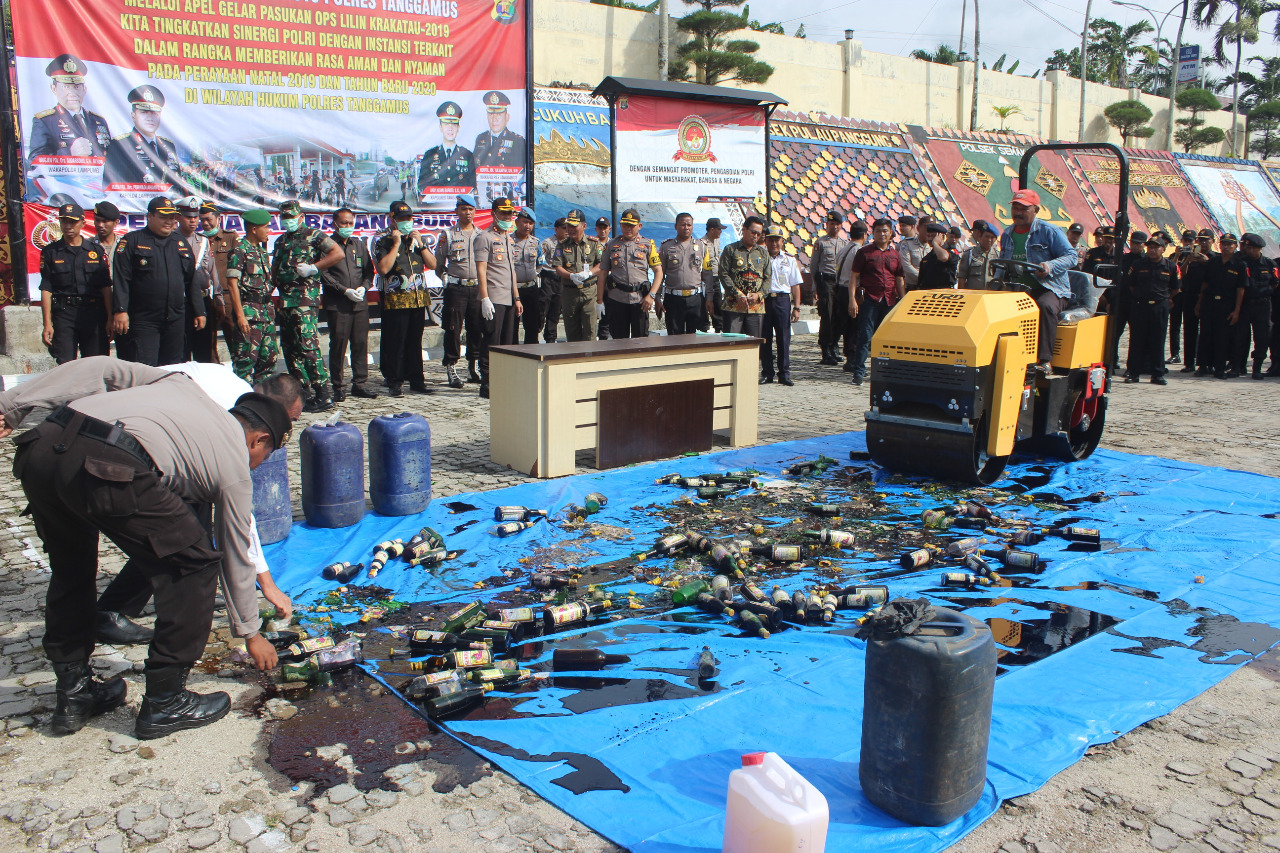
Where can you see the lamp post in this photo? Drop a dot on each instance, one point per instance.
(1173, 57)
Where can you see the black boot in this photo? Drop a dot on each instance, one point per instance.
(116, 629)
(168, 706)
(81, 696)
(472, 376)
(322, 401)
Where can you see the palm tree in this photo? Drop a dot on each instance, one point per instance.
(1114, 45)
(944, 55)
(1238, 26)
(1257, 89)
(1005, 112)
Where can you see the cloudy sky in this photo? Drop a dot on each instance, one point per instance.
(1029, 30)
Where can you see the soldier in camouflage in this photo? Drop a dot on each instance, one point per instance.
(252, 341)
(297, 258)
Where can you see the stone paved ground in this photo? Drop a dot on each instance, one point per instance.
(1201, 779)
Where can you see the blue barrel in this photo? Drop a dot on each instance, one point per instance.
(332, 474)
(272, 508)
(926, 719)
(399, 464)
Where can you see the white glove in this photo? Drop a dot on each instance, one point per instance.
(355, 294)
(577, 278)
(599, 309)
(306, 270)
(486, 308)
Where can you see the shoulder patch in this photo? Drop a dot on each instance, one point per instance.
(45, 113)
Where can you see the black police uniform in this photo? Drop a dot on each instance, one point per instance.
(1096, 257)
(1193, 272)
(134, 159)
(1274, 369)
(75, 278)
(504, 150)
(1259, 279)
(1217, 301)
(55, 131)
(1150, 284)
(153, 280)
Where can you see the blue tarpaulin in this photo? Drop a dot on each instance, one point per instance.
(1093, 646)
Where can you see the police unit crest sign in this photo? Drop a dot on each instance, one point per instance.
(334, 103)
(685, 151)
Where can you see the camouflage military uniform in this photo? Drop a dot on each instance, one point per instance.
(253, 358)
(299, 301)
(745, 272)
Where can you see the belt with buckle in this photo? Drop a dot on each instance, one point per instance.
(109, 434)
(693, 292)
(627, 288)
(524, 284)
(465, 282)
(75, 301)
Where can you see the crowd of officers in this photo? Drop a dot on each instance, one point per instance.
(162, 291)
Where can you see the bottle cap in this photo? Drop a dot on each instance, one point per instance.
(752, 759)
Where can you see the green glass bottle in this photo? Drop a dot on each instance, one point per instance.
(594, 502)
(304, 670)
(688, 593)
(462, 619)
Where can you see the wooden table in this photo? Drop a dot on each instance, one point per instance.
(632, 400)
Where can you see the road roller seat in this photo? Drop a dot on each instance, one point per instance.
(1083, 303)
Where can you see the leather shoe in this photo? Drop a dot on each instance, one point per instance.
(339, 396)
(766, 380)
(81, 697)
(484, 392)
(857, 380)
(168, 706)
(420, 388)
(786, 380)
(361, 391)
(1202, 371)
(472, 376)
(1233, 374)
(394, 390)
(1190, 368)
(1130, 380)
(1159, 380)
(116, 629)
(1257, 374)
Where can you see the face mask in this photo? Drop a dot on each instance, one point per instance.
(291, 224)
(344, 233)
(210, 232)
(506, 224)
(405, 228)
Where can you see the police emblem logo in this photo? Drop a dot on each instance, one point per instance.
(493, 99)
(694, 140)
(69, 66)
(93, 256)
(148, 95)
(451, 111)
(504, 11)
(142, 262)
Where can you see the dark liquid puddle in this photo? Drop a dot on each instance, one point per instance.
(1036, 476)
(363, 716)
(589, 774)
(463, 526)
(1222, 639)
(1026, 641)
(461, 506)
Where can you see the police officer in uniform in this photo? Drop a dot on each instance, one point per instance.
(221, 242)
(68, 130)
(499, 297)
(498, 146)
(124, 450)
(746, 273)
(455, 254)
(529, 261)
(1102, 251)
(1219, 298)
(1191, 269)
(202, 342)
(686, 272)
(297, 258)
(153, 282)
(1253, 313)
(106, 216)
(447, 164)
(624, 265)
(252, 336)
(141, 156)
(911, 247)
(577, 261)
(347, 312)
(75, 291)
(711, 309)
(824, 261)
(549, 306)
(1151, 281)
(402, 258)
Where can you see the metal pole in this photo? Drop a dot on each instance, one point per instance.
(1084, 65)
(977, 65)
(1175, 59)
(964, 7)
(613, 160)
(528, 104)
(664, 40)
(13, 176)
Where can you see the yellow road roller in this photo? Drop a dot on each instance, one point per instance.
(954, 386)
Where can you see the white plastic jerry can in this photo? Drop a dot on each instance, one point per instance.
(773, 809)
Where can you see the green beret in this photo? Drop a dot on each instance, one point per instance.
(257, 217)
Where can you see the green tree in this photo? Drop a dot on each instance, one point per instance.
(1130, 118)
(626, 4)
(1006, 112)
(1115, 46)
(1256, 89)
(944, 55)
(1192, 133)
(710, 57)
(1237, 22)
(1264, 119)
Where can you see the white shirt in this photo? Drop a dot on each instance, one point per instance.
(785, 273)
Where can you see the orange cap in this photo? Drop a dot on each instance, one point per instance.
(1028, 197)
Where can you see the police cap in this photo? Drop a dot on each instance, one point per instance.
(936, 228)
(980, 227)
(1107, 231)
(1205, 234)
(1251, 239)
(66, 69)
(1138, 237)
(270, 412)
(257, 216)
(1076, 228)
(449, 113)
(465, 199)
(527, 213)
(188, 205)
(833, 216)
(209, 207)
(630, 216)
(1154, 240)
(290, 208)
(400, 208)
(575, 217)
(146, 98)
(906, 219)
(162, 205)
(106, 210)
(1227, 237)
(713, 222)
(1188, 234)
(502, 204)
(774, 231)
(603, 222)
(496, 102)
(71, 210)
